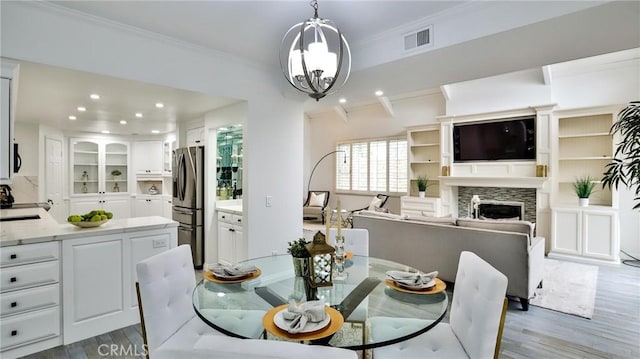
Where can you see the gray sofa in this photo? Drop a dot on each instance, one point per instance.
(436, 246)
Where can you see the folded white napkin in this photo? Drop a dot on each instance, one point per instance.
(233, 270)
(312, 311)
(413, 279)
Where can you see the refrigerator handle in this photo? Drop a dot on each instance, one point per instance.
(186, 229)
(183, 212)
(181, 178)
(193, 168)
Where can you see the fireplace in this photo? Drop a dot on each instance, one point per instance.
(523, 201)
(501, 210)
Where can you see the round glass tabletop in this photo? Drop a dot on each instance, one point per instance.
(376, 313)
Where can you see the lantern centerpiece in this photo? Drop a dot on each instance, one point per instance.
(322, 258)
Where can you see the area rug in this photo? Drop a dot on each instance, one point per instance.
(567, 287)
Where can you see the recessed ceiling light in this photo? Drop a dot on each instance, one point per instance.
(379, 93)
(123, 122)
(138, 114)
(155, 131)
(82, 109)
(159, 105)
(94, 96)
(105, 131)
(72, 118)
(343, 100)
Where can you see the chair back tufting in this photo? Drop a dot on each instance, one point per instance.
(166, 282)
(476, 308)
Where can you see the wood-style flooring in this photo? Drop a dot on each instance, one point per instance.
(613, 332)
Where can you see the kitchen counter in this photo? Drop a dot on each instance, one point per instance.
(46, 229)
(231, 206)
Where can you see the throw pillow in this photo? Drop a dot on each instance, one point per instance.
(316, 200)
(525, 227)
(375, 203)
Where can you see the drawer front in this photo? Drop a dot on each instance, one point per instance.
(29, 275)
(229, 218)
(29, 253)
(29, 299)
(29, 327)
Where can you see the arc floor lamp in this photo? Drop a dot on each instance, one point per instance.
(320, 160)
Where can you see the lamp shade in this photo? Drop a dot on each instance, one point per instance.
(315, 57)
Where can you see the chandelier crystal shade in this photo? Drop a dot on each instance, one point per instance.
(315, 57)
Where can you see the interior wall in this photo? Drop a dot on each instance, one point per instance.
(44, 33)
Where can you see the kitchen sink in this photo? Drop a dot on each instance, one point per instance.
(20, 218)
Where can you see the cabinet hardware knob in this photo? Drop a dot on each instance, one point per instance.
(231, 230)
(14, 304)
(13, 279)
(239, 220)
(14, 333)
(13, 256)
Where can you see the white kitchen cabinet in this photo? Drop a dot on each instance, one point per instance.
(195, 137)
(30, 300)
(167, 207)
(8, 97)
(587, 232)
(119, 205)
(99, 278)
(148, 158)
(232, 247)
(167, 156)
(98, 167)
(416, 206)
(150, 205)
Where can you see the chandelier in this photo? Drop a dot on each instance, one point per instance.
(315, 57)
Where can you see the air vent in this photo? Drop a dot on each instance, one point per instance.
(418, 38)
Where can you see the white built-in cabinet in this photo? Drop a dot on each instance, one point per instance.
(589, 232)
(232, 247)
(99, 278)
(195, 137)
(424, 158)
(99, 170)
(148, 205)
(148, 157)
(30, 302)
(415, 206)
(8, 97)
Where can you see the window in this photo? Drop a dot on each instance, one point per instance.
(372, 166)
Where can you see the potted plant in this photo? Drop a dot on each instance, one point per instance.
(116, 174)
(584, 187)
(300, 254)
(422, 183)
(625, 166)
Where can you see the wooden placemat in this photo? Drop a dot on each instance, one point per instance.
(439, 287)
(334, 325)
(208, 275)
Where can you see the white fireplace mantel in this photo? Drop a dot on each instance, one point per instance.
(476, 181)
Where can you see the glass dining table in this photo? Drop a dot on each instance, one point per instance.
(373, 312)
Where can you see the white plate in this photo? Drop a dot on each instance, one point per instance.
(283, 324)
(417, 286)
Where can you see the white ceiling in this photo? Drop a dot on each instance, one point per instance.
(253, 29)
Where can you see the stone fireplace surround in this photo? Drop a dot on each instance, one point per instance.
(525, 195)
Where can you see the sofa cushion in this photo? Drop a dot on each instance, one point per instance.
(525, 227)
(432, 219)
(382, 214)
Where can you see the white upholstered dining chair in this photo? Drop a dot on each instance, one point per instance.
(475, 323)
(171, 329)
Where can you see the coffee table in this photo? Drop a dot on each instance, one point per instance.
(361, 296)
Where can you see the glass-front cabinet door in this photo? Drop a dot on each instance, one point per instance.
(99, 167)
(86, 164)
(115, 166)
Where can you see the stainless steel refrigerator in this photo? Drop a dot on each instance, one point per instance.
(188, 199)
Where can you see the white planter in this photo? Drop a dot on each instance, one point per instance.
(584, 202)
(421, 194)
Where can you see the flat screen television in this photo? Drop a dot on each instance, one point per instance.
(511, 139)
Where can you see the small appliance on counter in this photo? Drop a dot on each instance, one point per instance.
(6, 198)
